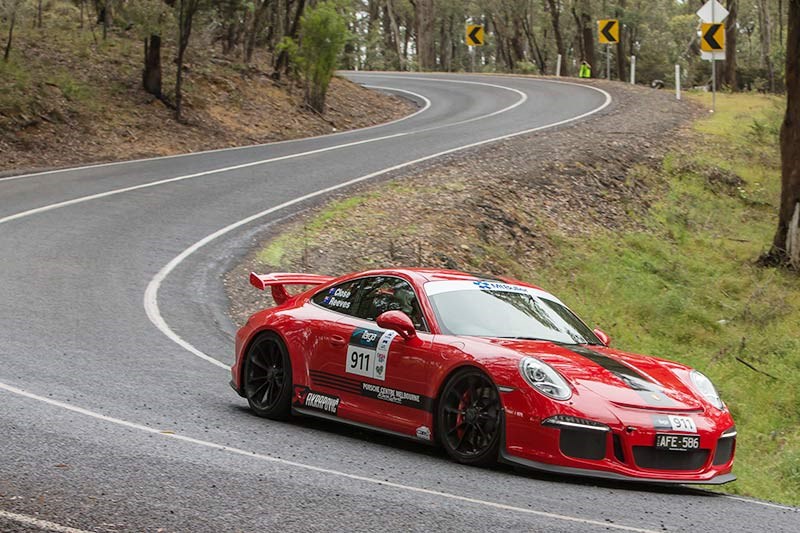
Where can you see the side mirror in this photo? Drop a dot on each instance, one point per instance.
(397, 321)
(602, 335)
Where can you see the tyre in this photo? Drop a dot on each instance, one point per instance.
(469, 418)
(268, 377)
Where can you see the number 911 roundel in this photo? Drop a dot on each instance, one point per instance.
(491, 369)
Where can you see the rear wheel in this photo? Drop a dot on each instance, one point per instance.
(268, 377)
(469, 418)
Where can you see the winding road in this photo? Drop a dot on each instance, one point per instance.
(115, 409)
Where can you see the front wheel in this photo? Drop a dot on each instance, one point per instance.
(268, 377)
(469, 418)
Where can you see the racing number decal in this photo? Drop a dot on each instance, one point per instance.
(368, 353)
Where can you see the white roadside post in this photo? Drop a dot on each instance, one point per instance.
(677, 82)
(633, 70)
(558, 66)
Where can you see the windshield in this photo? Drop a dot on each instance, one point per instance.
(494, 309)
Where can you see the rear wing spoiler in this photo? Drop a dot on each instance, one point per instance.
(277, 281)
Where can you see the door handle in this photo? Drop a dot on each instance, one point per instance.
(336, 340)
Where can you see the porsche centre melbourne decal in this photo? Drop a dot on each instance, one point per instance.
(371, 390)
(305, 397)
(409, 399)
(368, 353)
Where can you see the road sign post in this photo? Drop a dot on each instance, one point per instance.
(712, 40)
(558, 66)
(633, 70)
(677, 82)
(608, 34)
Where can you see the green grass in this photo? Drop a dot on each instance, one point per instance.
(687, 287)
(293, 244)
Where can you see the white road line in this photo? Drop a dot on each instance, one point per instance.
(41, 524)
(235, 148)
(82, 199)
(321, 470)
(757, 502)
(151, 293)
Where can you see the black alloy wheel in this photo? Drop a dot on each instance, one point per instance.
(268, 377)
(469, 418)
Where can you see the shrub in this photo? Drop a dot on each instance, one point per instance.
(323, 34)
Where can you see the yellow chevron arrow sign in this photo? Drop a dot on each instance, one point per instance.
(713, 37)
(608, 31)
(474, 35)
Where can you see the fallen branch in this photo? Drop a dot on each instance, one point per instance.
(751, 367)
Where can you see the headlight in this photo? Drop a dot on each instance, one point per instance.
(705, 387)
(544, 378)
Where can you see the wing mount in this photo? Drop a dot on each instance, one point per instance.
(278, 281)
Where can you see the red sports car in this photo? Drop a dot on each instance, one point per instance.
(490, 368)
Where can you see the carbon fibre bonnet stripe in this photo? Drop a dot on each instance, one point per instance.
(650, 392)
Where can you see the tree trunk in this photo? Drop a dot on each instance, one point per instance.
(766, 42)
(424, 20)
(536, 51)
(731, 30)
(588, 36)
(622, 55)
(259, 18)
(151, 75)
(786, 243)
(395, 34)
(554, 16)
(10, 35)
(186, 12)
(39, 15)
(282, 63)
(446, 54)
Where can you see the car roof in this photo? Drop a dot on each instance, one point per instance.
(424, 275)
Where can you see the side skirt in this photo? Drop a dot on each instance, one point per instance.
(316, 414)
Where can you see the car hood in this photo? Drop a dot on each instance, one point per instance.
(624, 379)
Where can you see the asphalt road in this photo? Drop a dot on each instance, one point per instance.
(115, 409)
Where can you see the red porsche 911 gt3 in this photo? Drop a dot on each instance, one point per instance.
(491, 369)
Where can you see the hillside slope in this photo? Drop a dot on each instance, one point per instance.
(69, 97)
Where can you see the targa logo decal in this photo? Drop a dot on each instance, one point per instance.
(368, 353)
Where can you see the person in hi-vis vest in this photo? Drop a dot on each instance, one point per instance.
(586, 70)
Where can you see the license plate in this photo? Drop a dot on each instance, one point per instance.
(665, 441)
(682, 423)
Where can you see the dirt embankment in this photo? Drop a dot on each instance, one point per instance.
(494, 209)
(69, 98)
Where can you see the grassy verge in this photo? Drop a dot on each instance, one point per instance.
(678, 281)
(687, 288)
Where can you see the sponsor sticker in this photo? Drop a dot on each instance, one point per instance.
(386, 394)
(424, 433)
(317, 400)
(674, 423)
(368, 353)
(498, 286)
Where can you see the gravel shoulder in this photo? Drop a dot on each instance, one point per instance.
(493, 209)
